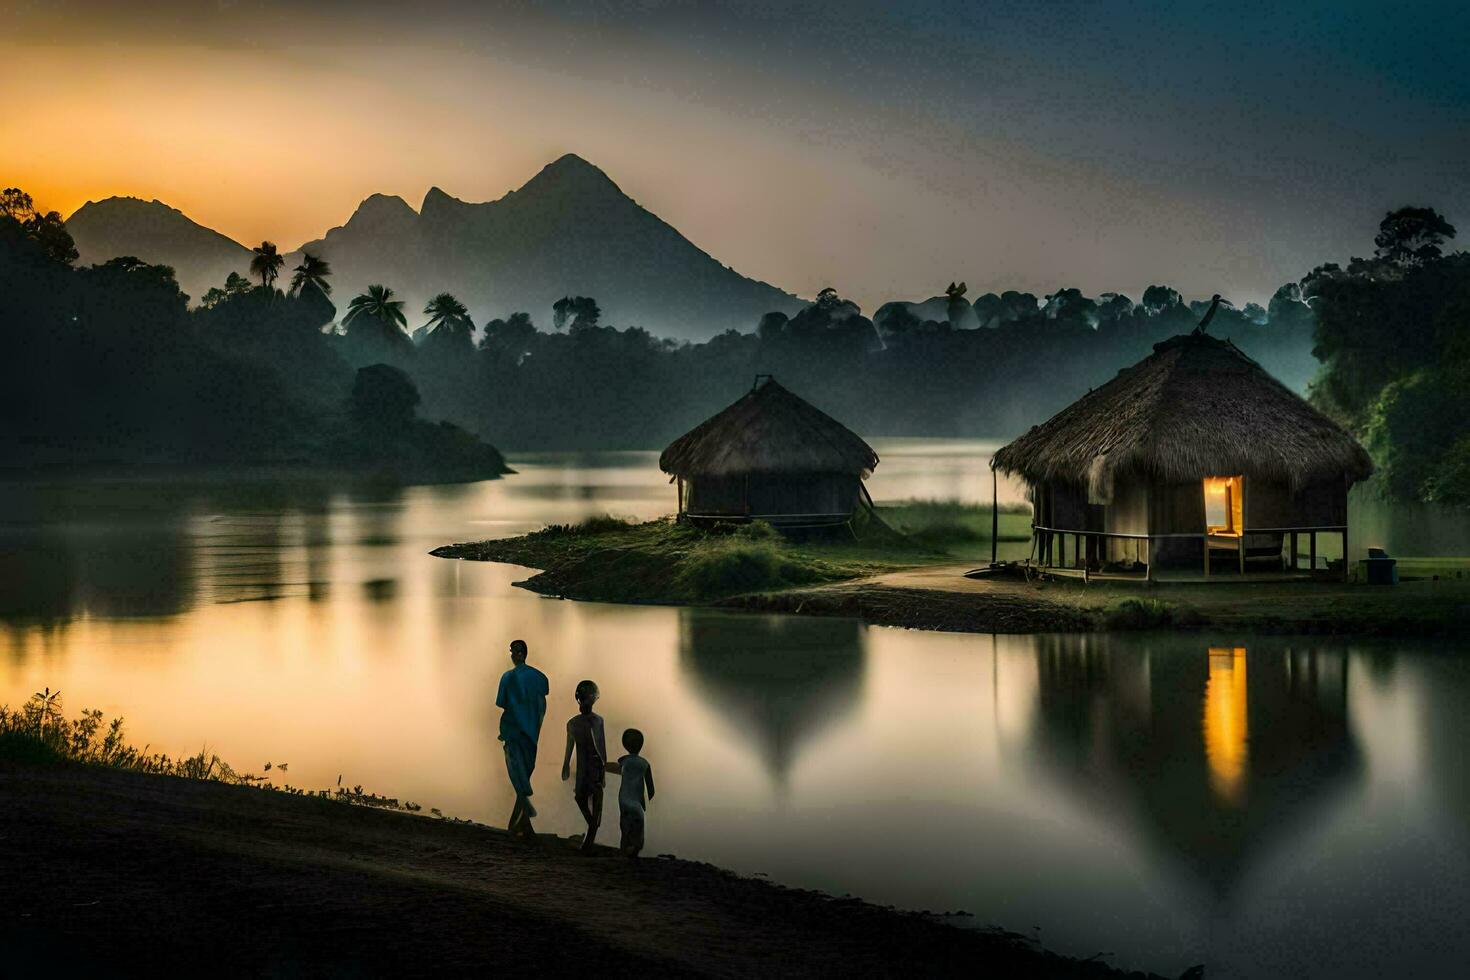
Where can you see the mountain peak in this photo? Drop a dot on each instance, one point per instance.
(379, 211)
(439, 206)
(570, 171)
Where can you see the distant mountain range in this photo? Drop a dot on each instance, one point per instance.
(568, 231)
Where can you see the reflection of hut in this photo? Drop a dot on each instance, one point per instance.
(1193, 452)
(1215, 751)
(770, 456)
(779, 679)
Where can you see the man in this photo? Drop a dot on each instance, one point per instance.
(522, 700)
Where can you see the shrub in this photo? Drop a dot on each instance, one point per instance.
(1137, 614)
(602, 524)
(596, 524)
(758, 531)
(727, 569)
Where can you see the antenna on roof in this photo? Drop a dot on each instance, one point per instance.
(1204, 321)
(757, 384)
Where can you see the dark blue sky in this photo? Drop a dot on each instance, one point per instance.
(882, 148)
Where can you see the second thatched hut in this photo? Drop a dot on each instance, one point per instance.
(1192, 455)
(770, 456)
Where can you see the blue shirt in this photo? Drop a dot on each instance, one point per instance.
(522, 698)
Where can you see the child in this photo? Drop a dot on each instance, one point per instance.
(584, 732)
(636, 773)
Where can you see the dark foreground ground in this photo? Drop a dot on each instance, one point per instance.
(117, 873)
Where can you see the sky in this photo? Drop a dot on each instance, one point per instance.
(882, 149)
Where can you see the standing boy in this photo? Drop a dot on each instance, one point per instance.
(637, 774)
(584, 733)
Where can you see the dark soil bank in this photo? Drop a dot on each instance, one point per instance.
(118, 873)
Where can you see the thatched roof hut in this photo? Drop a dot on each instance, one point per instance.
(1194, 408)
(1162, 447)
(770, 456)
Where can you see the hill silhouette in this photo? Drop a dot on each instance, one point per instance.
(157, 234)
(570, 230)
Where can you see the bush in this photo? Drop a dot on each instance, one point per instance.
(758, 531)
(602, 524)
(596, 524)
(740, 566)
(1137, 614)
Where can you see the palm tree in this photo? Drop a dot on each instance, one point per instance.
(314, 270)
(447, 312)
(377, 306)
(266, 263)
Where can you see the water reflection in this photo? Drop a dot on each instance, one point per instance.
(779, 682)
(1213, 751)
(1226, 725)
(1169, 798)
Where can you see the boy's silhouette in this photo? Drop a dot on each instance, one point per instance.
(637, 775)
(584, 732)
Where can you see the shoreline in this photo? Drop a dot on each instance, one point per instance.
(140, 874)
(924, 593)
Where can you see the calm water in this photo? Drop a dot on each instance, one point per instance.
(1268, 806)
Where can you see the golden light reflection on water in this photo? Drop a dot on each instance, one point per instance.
(1226, 726)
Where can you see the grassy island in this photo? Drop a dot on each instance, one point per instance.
(610, 560)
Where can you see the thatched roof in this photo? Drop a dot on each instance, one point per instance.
(1195, 407)
(769, 430)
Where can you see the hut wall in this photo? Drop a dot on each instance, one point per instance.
(1069, 508)
(1177, 508)
(796, 494)
(1127, 514)
(1322, 504)
(715, 495)
(773, 495)
(1267, 504)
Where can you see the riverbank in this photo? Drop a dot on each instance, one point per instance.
(892, 580)
(135, 874)
(940, 597)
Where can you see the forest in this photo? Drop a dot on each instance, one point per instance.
(111, 363)
(107, 369)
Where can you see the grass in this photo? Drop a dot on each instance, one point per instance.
(38, 733)
(950, 525)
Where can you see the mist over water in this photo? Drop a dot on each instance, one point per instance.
(1266, 805)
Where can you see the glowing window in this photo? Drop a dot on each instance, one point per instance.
(1223, 504)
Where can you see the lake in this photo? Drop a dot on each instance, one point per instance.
(1266, 805)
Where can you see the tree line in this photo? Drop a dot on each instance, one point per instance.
(108, 367)
(1380, 344)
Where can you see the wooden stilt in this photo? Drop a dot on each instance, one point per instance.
(1312, 552)
(1347, 566)
(1295, 556)
(994, 514)
(1206, 543)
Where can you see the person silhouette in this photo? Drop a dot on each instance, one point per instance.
(637, 776)
(585, 734)
(522, 700)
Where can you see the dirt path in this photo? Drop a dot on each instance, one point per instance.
(127, 874)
